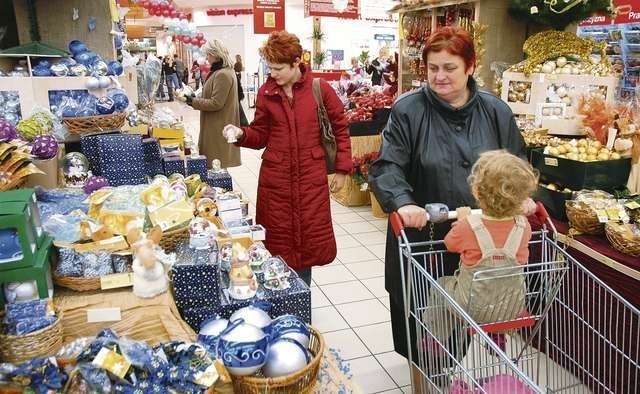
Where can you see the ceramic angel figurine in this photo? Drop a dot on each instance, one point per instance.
(242, 281)
(149, 278)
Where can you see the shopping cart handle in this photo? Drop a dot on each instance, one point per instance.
(396, 223)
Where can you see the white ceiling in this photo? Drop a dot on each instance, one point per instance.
(222, 3)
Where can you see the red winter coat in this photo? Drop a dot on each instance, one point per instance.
(293, 193)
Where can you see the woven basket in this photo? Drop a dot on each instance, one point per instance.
(171, 239)
(86, 124)
(583, 219)
(376, 208)
(77, 283)
(300, 382)
(44, 342)
(625, 244)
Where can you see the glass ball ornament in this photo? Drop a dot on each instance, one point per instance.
(40, 71)
(201, 232)
(12, 105)
(276, 274)
(254, 316)
(21, 292)
(105, 106)
(44, 146)
(59, 70)
(243, 348)
(78, 70)
(92, 83)
(95, 183)
(75, 169)
(67, 61)
(77, 47)
(292, 327)
(8, 131)
(258, 254)
(210, 331)
(99, 68)
(285, 357)
(12, 117)
(121, 101)
(115, 68)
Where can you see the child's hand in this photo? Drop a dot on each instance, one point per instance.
(462, 213)
(529, 207)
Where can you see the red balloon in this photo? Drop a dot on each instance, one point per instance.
(175, 13)
(166, 13)
(145, 3)
(186, 39)
(182, 16)
(199, 35)
(171, 6)
(201, 42)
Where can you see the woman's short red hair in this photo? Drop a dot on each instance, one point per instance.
(282, 47)
(454, 40)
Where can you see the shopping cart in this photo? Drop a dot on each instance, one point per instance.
(567, 331)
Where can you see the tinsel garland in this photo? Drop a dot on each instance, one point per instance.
(521, 10)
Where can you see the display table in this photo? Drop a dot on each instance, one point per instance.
(327, 75)
(620, 271)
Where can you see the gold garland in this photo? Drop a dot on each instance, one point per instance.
(551, 44)
(478, 31)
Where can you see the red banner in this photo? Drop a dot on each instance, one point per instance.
(629, 12)
(268, 16)
(328, 8)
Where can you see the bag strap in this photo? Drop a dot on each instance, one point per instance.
(317, 93)
(514, 239)
(482, 234)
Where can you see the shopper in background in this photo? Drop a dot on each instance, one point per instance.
(218, 106)
(170, 77)
(378, 66)
(180, 70)
(196, 73)
(293, 194)
(238, 67)
(432, 139)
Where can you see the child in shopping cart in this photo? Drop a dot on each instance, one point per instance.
(493, 248)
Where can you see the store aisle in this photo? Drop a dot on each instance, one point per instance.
(350, 304)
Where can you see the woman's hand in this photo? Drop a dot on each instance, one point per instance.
(231, 132)
(529, 207)
(337, 182)
(413, 216)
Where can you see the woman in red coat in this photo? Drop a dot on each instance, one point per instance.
(293, 194)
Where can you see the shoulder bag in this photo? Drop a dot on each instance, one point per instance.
(326, 132)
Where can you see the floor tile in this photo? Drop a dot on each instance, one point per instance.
(407, 389)
(370, 375)
(371, 238)
(380, 224)
(377, 337)
(350, 217)
(354, 255)
(348, 343)
(377, 250)
(346, 241)
(367, 215)
(366, 269)
(396, 366)
(337, 230)
(331, 273)
(394, 391)
(327, 319)
(385, 301)
(358, 227)
(376, 286)
(340, 293)
(362, 313)
(318, 299)
(362, 208)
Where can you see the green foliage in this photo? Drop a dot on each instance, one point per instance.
(521, 10)
(363, 57)
(319, 58)
(317, 34)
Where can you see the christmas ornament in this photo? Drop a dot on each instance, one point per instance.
(95, 183)
(44, 146)
(201, 233)
(258, 254)
(104, 81)
(105, 106)
(210, 331)
(76, 47)
(276, 274)
(92, 83)
(115, 68)
(8, 131)
(121, 101)
(75, 169)
(254, 316)
(78, 70)
(242, 281)
(292, 327)
(285, 357)
(20, 292)
(59, 70)
(99, 68)
(243, 348)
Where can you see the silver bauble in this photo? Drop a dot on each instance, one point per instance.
(2, 99)
(254, 316)
(210, 331)
(243, 348)
(19, 71)
(78, 70)
(285, 356)
(12, 117)
(75, 168)
(99, 68)
(292, 327)
(59, 70)
(12, 106)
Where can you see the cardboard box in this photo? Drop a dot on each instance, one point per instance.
(553, 201)
(162, 133)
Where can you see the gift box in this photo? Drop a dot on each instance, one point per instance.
(221, 179)
(173, 165)
(151, 150)
(195, 285)
(197, 165)
(117, 157)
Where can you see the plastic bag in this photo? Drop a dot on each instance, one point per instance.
(148, 80)
(128, 60)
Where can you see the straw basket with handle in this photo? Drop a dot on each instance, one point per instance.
(43, 342)
(623, 239)
(583, 219)
(86, 124)
(299, 382)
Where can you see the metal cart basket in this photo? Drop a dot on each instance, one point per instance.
(563, 331)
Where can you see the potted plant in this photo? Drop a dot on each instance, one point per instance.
(318, 59)
(360, 175)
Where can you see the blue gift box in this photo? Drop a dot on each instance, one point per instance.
(117, 157)
(90, 147)
(154, 168)
(174, 164)
(195, 286)
(151, 149)
(220, 179)
(197, 165)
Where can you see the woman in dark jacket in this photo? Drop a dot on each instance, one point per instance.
(293, 194)
(433, 138)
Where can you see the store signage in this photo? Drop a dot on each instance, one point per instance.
(629, 12)
(268, 16)
(384, 37)
(327, 8)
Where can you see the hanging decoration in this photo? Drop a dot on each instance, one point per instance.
(75, 15)
(557, 14)
(179, 26)
(92, 23)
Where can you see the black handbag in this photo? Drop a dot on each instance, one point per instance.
(327, 138)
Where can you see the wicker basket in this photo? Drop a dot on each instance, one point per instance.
(302, 381)
(376, 208)
(171, 239)
(44, 342)
(583, 219)
(77, 283)
(628, 244)
(86, 124)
